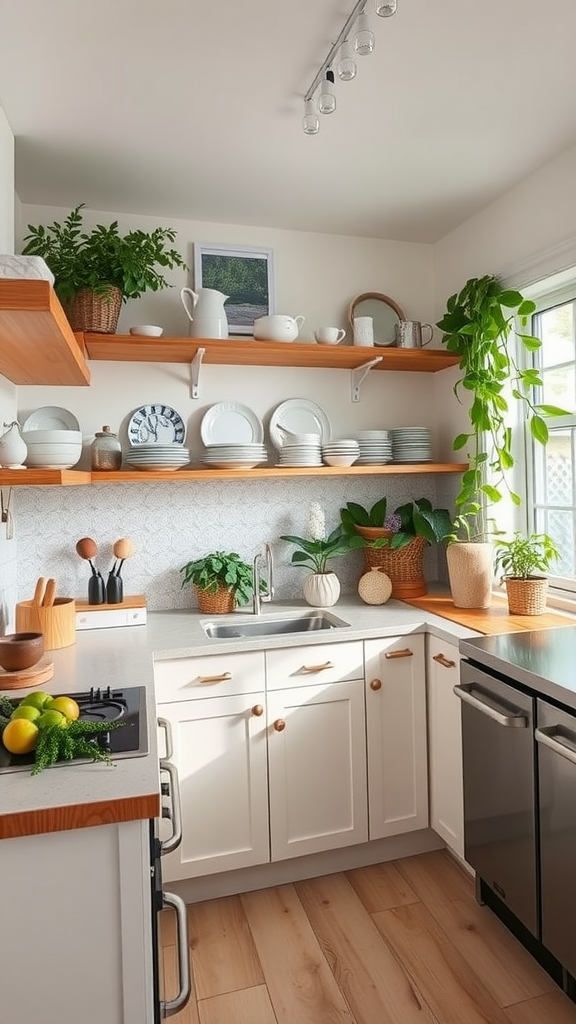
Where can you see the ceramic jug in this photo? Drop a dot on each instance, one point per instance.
(277, 328)
(206, 313)
(408, 334)
(13, 449)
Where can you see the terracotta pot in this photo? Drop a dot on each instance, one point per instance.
(470, 573)
(322, 589)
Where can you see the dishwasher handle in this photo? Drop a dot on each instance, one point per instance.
(549, 737)
(516, 720)
(168, 1007)
(168, 845)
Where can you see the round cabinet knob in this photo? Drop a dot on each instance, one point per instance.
(376, 684)
(279, 725)
(257, 710)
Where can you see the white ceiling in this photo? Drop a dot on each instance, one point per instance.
(192, 109)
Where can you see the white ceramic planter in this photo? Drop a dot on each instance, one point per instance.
(322, 589)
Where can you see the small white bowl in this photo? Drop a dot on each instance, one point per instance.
(147, 331)
(339, 460)
(32, 437)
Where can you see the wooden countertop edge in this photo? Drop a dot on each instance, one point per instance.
(492, 620)
(73, 816)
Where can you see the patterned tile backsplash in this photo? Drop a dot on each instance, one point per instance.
(172, 523)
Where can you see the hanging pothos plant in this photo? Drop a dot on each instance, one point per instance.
(480, 326)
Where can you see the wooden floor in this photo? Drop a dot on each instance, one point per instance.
(398, 943)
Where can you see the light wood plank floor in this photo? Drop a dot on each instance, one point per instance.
(397, 943)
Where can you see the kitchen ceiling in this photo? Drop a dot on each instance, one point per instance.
(192, 109)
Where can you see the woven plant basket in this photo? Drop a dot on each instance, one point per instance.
(404, 567)
(88, 311)
(215, 604)
(527, 597)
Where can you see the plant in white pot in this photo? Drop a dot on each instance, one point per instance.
(523, 560)
(322, 586)
(480, 327)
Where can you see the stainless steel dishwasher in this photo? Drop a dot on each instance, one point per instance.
(556, 738)
(500, 834)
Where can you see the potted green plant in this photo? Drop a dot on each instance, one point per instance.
(96, 271)
(322, 586)
(221, 580)
(480, 326)
(395, 542)
(522, 561)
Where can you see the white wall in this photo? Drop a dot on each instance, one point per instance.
(7, 390)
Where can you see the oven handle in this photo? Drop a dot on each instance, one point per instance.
(170, 844)
(168, 1007)
(546, 736)
(164, 724)
(514, 721)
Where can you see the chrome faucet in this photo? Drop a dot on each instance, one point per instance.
(257, 595)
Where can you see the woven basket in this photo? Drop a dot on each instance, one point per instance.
(404, 566)
(527, 597)
(88, 311)
(215, 604)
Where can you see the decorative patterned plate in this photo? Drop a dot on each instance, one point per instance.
(156, 424)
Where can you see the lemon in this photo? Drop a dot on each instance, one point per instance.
(25, 711)
(66, 705)
(35, 700)
(20, 736)
(50, 718)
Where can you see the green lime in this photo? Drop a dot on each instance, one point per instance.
(25, 711)
(36, 700)
(48, 719)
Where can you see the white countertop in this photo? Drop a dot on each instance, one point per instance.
(124, 656)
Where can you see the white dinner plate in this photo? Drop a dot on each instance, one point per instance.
(299, 416)
(231, 423)
(51, 417)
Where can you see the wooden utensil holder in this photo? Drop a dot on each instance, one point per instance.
(57, 621)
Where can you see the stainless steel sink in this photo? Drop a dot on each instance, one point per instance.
(307, 622)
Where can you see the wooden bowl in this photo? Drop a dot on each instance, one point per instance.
(20, 650)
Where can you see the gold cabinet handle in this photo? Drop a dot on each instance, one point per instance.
(215, 679)
(279, 725)
(445, 662)
(404, 653)
(375, 684)
(258, 710)
(317, 668)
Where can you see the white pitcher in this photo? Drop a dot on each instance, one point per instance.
(205, 312)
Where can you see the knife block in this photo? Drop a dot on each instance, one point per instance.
(57, 621)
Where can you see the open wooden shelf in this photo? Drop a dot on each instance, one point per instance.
(235, 352)
(37, 344)
(69, 477)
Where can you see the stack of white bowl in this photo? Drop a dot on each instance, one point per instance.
(234, 456)
(151, 457)
(375, 447)
(411, 444)
(52, 449)
(342, 452)
(302, 450)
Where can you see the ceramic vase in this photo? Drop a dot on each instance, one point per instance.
(470, 573)
(322, 589)
(13, 450)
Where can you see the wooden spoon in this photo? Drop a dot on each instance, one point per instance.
(49, 594)
(88, 549)
(39, 592)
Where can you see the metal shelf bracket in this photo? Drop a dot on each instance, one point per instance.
(358, 375)
(195, 373)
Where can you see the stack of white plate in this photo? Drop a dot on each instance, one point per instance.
(342, 452)
(234, 456)
(411, 444)
(306, 453)
(165, 457)
(375, 447)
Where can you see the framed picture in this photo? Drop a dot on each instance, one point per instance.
(245, 275)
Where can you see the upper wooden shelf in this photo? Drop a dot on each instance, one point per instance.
(43, 477)
(37, 344)
(239, 352)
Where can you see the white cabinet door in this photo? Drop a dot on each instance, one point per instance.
(317, 766)
(220, 754)
(445, 744)
(396, 730)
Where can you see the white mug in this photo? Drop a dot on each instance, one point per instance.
(363, 330)
(329, 335)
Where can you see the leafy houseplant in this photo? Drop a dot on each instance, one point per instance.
(221, 579)
(322, 587)
(522, 561)
(102, 263)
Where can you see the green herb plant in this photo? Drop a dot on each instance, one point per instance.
(522, 558)
(221, 569)
(415, 518)
(102, 258)
(479, 327)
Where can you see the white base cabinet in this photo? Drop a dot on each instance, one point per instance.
(396, 731)
(445, 744)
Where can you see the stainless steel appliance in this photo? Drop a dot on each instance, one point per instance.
(500, 832)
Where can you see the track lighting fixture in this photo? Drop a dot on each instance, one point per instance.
(355, 38)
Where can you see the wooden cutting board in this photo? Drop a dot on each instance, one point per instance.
(38, 673)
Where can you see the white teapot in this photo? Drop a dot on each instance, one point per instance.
(206, 312)
(277, 328)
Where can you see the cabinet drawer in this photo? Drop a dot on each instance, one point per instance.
(315, 663)
(217, 675)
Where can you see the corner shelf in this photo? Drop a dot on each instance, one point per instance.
(37, 344)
